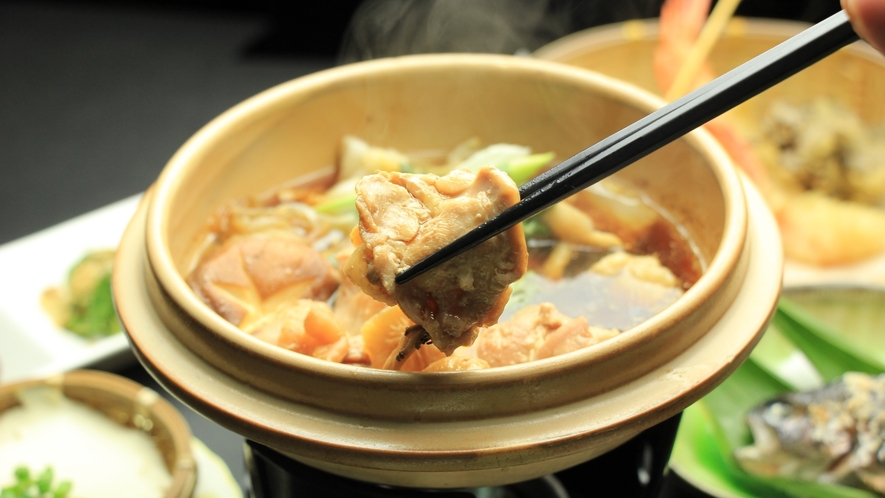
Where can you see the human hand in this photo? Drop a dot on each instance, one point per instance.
(868, 20)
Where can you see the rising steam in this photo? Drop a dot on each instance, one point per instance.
(385, 28)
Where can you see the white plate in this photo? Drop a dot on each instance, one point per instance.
(30, 343)
(214, 479)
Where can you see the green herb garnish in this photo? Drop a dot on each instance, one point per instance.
(715, 427)
(535, 228)
(28, 485)
(95, 315)
(84, 304)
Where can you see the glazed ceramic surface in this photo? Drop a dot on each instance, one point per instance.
(853, 76)
(129, 404)
(459, 428)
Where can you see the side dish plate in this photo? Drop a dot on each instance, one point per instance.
(31, 345)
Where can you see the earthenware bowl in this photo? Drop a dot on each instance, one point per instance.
(131, 405)
(454, 429)
(853, 76)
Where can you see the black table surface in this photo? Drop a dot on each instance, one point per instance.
(94, 99)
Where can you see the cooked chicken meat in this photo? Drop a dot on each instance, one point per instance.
(407, 217)
(536, 332)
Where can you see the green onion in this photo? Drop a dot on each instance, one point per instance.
(26, 486)
(535, 228)
(337, 204)
(523, 169)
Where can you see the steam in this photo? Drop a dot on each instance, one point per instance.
(385, 28)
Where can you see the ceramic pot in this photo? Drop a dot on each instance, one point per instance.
(453, 429)
(853, 76)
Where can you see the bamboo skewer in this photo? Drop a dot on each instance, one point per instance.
(710, 33)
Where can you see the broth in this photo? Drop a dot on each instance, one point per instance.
(607, 259)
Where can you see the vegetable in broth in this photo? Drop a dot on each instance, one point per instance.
(282, 266)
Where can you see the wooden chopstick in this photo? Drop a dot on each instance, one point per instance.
(654, 131)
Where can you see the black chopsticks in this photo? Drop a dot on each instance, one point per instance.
(654, 131)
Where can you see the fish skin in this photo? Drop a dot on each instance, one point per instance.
(833, 434)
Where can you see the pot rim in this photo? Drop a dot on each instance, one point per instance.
(648, 29)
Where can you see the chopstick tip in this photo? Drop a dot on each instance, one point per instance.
(406, 275)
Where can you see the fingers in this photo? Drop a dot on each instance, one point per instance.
(868, 19)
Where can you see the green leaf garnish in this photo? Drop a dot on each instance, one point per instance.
(44, 480)
(715, 427)
(95, 316)
(831, 354)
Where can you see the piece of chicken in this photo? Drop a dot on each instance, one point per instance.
(406, 217)
(536, 332)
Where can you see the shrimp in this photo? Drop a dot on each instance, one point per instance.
(815, 229)
(681, 22)
(823, 231)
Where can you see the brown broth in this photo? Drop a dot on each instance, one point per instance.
(610, 302)
(605, 301)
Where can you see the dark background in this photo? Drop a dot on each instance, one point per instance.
(96, 96)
